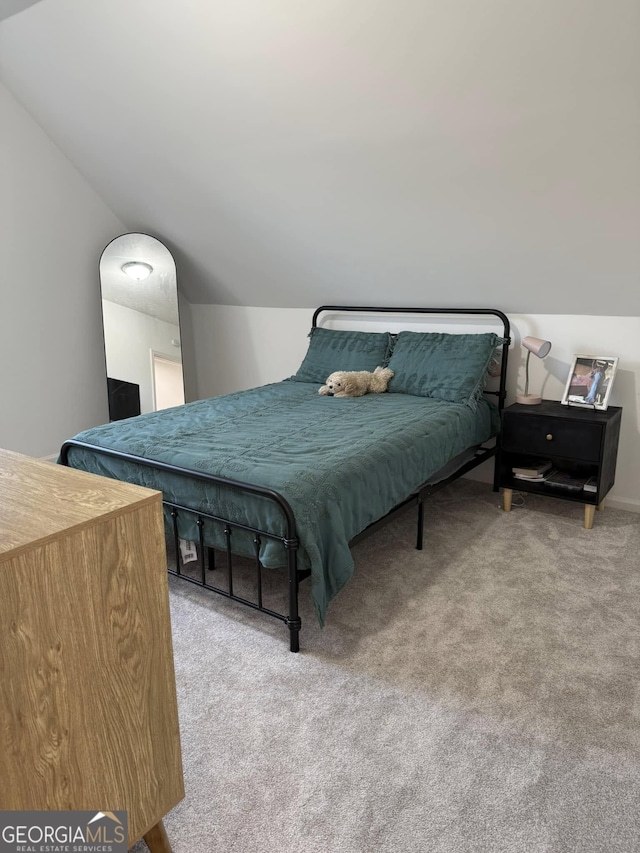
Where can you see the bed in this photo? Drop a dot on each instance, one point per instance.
(291, 479)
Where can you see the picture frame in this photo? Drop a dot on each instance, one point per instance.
(590, 381)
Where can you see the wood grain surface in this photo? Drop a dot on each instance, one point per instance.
(88, 712)
(39, 500)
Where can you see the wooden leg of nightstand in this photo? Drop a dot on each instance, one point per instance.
(157, 839)
(589, 512)
(601, 505)
(507, 495)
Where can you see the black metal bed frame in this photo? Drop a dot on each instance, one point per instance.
(289, 538)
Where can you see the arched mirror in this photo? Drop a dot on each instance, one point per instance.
(141, 326)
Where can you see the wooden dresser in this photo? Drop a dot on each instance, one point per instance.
(88, 712)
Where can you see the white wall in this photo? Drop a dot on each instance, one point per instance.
(187, 345)
(53, 228)
(130, 339)
(240, 348)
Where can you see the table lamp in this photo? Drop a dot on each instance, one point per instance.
(540, 348)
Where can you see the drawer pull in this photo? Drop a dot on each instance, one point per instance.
(549, 437)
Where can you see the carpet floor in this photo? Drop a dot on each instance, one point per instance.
(480, 695)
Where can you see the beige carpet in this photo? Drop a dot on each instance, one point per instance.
(480, 695)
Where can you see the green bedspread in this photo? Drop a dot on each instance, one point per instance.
(341, 463)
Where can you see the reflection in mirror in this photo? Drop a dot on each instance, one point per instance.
(141, 326)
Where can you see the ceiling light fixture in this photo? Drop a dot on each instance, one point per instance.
(137, 270)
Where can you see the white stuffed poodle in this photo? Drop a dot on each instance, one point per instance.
(356, 383)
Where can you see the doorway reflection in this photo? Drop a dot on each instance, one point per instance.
(141, 326)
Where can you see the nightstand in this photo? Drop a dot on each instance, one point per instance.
(580, 442)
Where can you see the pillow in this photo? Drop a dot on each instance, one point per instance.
(332, 349)
(442, 366)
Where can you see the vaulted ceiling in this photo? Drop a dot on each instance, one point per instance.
(293, 152)
(12, 7)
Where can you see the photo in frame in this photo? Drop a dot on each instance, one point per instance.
(590, 381)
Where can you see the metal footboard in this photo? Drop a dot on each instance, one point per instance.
(289, 539)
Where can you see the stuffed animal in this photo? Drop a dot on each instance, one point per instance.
(356, 383)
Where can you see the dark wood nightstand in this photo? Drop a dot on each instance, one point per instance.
(580, 442)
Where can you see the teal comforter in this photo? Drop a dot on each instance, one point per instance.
(341, 463)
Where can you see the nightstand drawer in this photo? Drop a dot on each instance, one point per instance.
(537, 435)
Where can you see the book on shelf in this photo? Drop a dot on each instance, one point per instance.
(566, 482)
(591, 485)
(536, 478)
(532, 467)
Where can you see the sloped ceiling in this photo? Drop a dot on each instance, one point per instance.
(12, 7)
(417, 151)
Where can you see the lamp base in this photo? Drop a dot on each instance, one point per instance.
(529, 399)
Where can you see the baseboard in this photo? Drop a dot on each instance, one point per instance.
(52, 458)
(630, 504)
(484, 474)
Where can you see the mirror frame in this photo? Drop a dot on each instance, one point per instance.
(133, 347)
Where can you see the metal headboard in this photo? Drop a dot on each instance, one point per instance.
(501, 393)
